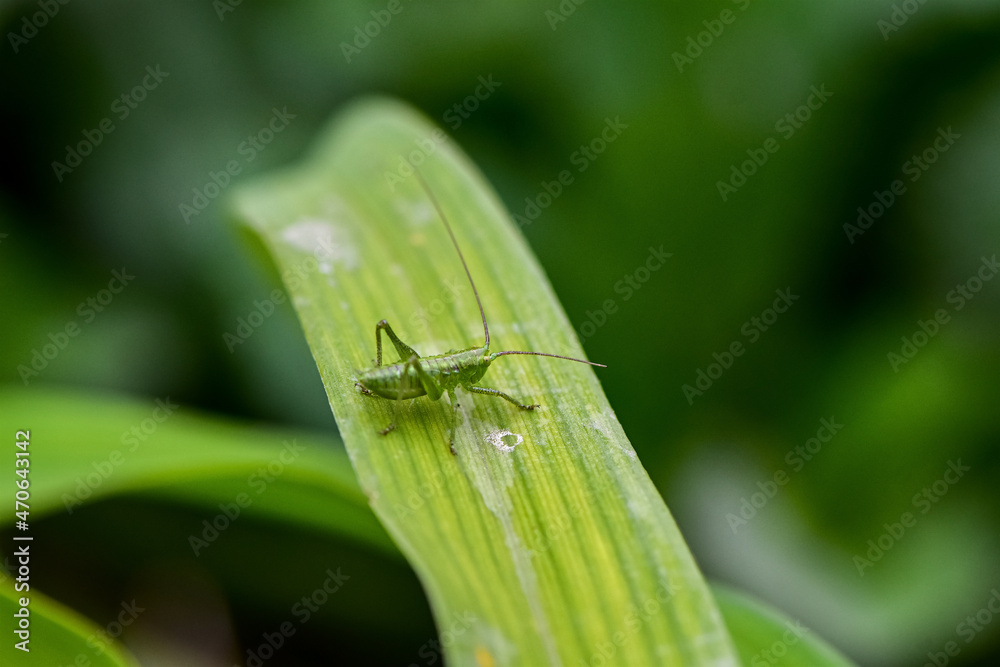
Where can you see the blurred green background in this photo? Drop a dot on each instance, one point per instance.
(806, 111)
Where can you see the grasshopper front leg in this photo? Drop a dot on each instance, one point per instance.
(430, 386)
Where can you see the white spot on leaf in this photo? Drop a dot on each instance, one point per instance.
(329, 245)
(504, 440)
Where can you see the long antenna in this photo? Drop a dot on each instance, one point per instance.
(434, 201)
(545, 354)
(482, 313)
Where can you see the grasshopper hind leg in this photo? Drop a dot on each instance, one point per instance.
(404, 350)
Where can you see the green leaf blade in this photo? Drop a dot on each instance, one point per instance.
(90, 454)
(556, 551)
(57, 635)
(762, 634)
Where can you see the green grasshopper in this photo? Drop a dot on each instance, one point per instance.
(414, 376)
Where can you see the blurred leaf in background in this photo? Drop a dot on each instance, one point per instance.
(741, 137)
